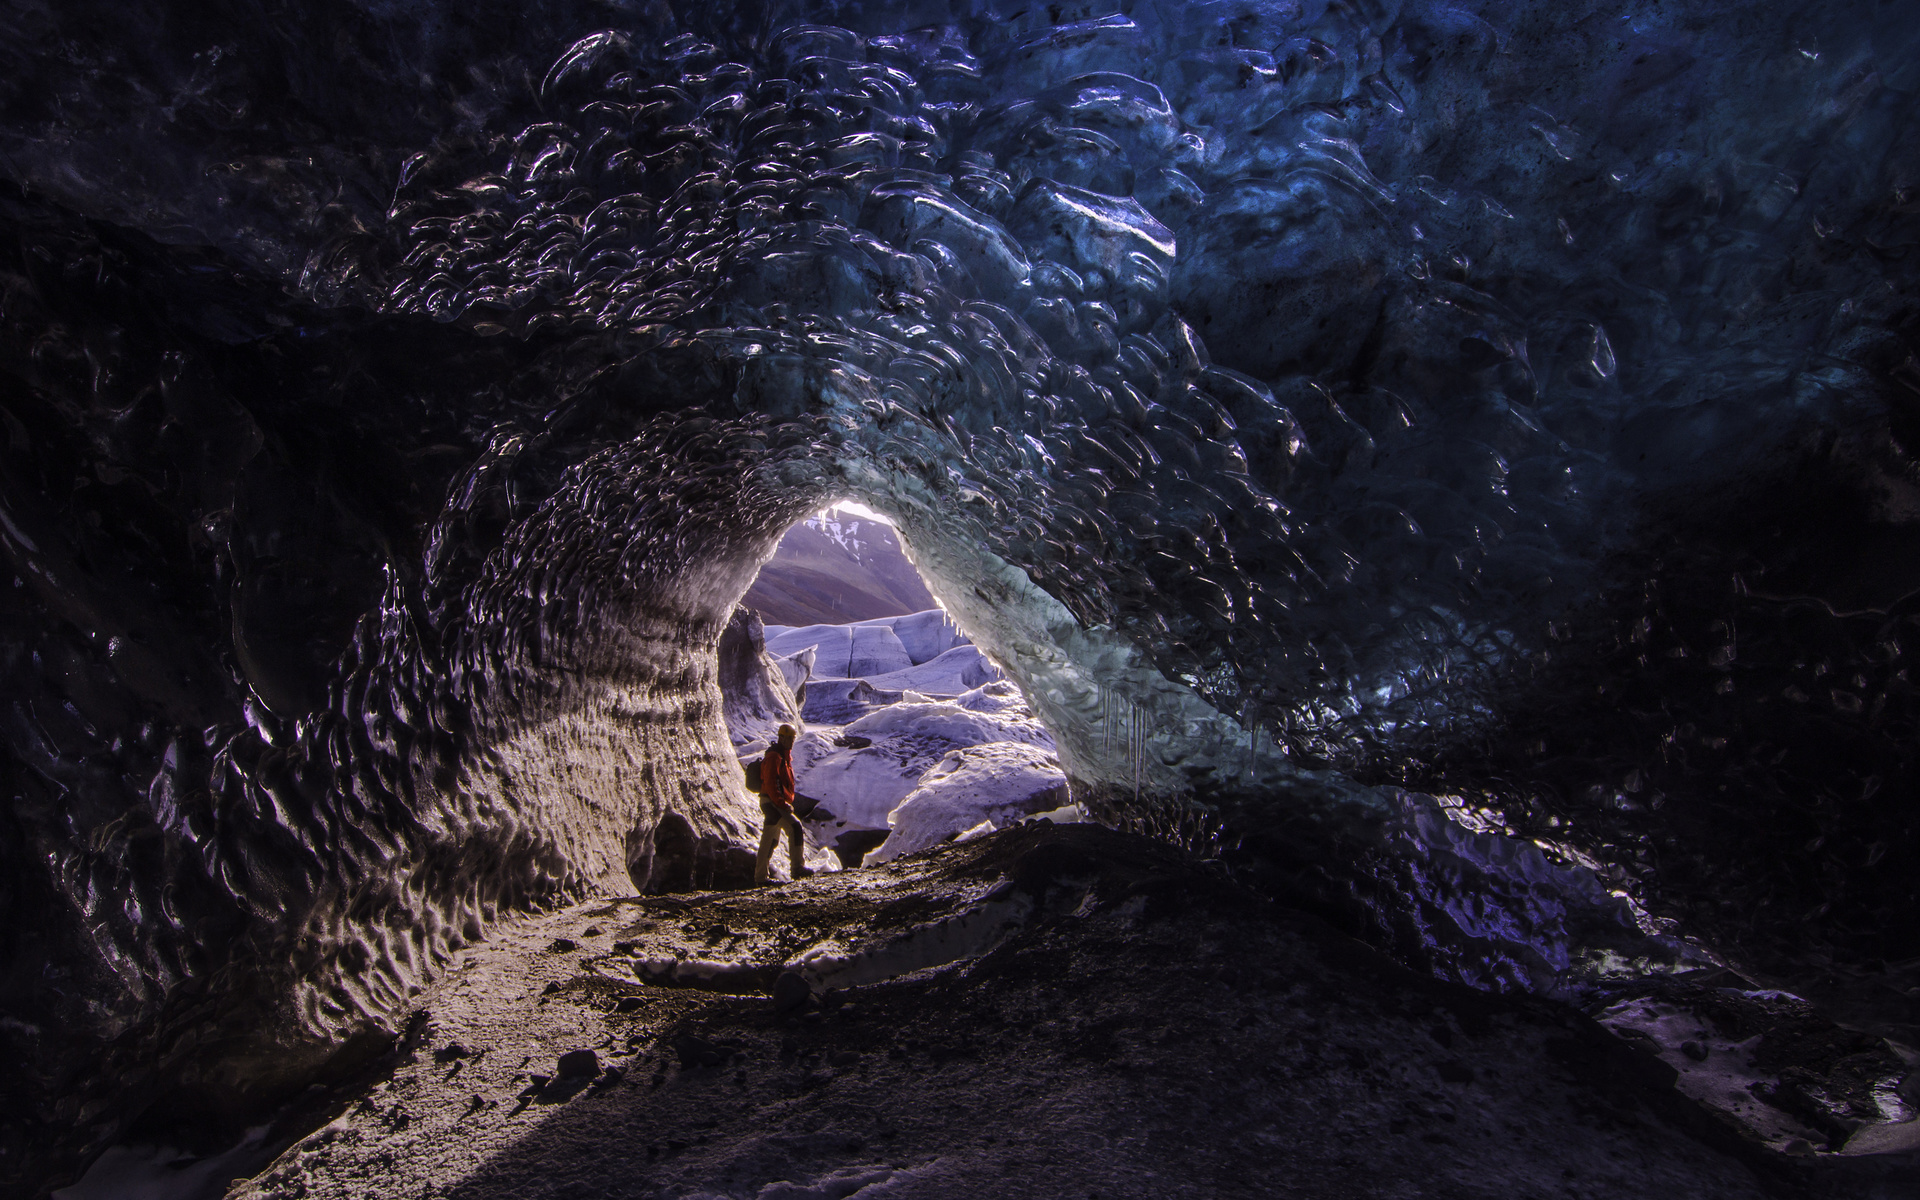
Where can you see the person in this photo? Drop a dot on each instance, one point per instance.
(776, 804)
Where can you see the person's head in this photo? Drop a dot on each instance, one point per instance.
(787, 735)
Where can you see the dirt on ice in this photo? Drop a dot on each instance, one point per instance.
(1051, 1011)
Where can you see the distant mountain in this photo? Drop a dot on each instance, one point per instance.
(834, 569)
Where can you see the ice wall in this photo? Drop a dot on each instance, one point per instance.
(1296, 398)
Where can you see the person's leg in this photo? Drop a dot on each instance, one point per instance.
(797, 850)
(769, 838)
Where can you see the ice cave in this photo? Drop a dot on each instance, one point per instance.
(1437, 479)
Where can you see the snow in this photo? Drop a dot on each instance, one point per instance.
(867, 649)
(862, 784)
(859, 786)
(1726, 1079)
(837, 701)
(1002, 783)
(832, 646)
(846, 533)
(996, 697)
(958, 671)
(922, 737)
(925, 635)
(945, 721)
(860, 510)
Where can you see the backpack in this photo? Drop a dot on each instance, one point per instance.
(753, 775)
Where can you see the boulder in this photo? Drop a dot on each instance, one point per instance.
(579, 1064)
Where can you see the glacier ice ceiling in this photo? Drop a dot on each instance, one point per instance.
(1303, 401)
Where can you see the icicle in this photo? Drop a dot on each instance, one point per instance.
(1139, 749)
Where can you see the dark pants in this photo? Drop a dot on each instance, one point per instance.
(778, 819)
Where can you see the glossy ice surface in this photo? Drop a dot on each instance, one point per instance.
(1298, 400)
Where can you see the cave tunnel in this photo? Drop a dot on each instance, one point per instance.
(1447, 469)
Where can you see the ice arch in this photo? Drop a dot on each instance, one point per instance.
(1484, 397)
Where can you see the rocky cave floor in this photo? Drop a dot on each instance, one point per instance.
(1051, 1011)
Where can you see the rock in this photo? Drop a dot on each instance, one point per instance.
(592, 931)
(563, 946)
(579, 1064)
(696, 1051)
(629, 1004)
(450, 1052)
(1455, 1071)
(853, 846)
(791, 991)
(1694, 1051)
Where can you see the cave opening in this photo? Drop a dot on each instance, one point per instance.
(908, 734)
(1447, 466)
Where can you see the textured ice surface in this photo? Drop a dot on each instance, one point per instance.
(875, 651)
(1296, 401)
(865, 649)
(796, 670)
(950, 674)
(924, 635)
(758, 689)
(832, 647)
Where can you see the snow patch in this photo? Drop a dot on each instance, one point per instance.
(997, 784)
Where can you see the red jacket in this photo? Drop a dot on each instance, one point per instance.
(776, 777)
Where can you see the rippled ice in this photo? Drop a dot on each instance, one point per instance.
(1312, 406)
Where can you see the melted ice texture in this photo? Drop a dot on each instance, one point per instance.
(1273, 388)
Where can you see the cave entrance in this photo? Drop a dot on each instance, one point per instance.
(910, 735)
(841, 565)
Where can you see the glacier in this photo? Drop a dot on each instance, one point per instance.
(1451, 462)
